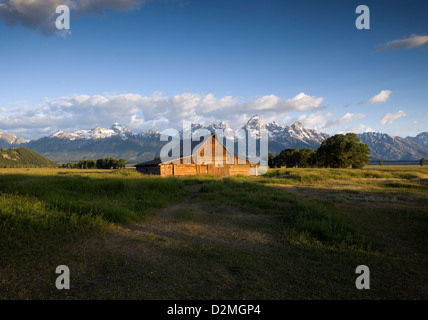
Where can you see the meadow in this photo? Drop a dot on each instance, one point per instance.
(291, 234)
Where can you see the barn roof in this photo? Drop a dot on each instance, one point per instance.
(154, 162)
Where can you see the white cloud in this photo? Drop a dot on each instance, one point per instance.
(144, 112)
(315, 120)
(411, 42)
(382, 97)
(320, 120)
(391, 117)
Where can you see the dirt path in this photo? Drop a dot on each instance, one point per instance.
(192, 222)
(168, 212)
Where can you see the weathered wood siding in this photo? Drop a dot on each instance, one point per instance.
(213, 159)
(184, 169)
(243, 169)
(213, 152)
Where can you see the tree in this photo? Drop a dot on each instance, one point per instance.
(342, 151)
(110, 163)
(305, 158)
(81, 164)
(90, 164)
(71, 165)
(291, 158)
(380, 162)
(100, 164)
(422, 162)
(271, 159)
(122, 163)
(287, 158)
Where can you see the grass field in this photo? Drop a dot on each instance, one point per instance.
(292, 234)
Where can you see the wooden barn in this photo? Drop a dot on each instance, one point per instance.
(210, 157)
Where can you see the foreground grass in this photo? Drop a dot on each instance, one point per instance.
(126, 236)
(64, 205)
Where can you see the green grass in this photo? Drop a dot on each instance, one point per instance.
(114, 199)
(369, 172)
(36, 207)
(303, 221)
(128, 236)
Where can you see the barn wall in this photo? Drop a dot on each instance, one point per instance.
(202, 169)
(166, 169)
(185, 169)
(216, 161)
(243, 169)
(193, 169)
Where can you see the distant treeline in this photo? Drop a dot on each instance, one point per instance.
(107, 163)
(338, 151)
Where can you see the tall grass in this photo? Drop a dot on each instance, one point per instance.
(303, 221)
(34, 208)
(316, 174)
(25, 220)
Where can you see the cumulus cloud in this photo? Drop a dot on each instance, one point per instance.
(41, 14)
(31, 14)
(382, 97)
(323, 120)
(315, 120)
(411, 42)
(155, 111)
(391, 117)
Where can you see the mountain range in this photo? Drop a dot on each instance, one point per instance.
(119, 142)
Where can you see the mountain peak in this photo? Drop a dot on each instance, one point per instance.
(10, 138)
(421, 138)
(298, 124)
(254, 123)
(60, 134)
(223, 124)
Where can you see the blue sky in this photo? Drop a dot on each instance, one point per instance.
(154, 63)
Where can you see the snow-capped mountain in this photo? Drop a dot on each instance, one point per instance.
(296, 134)
(96, 133)
(119, 142)
(386, 147)
(7, 140)
(254, 124)
(150, 133)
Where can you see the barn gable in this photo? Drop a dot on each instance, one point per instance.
(208, 157)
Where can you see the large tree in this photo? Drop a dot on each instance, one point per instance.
(343, 151)
(287, 158)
